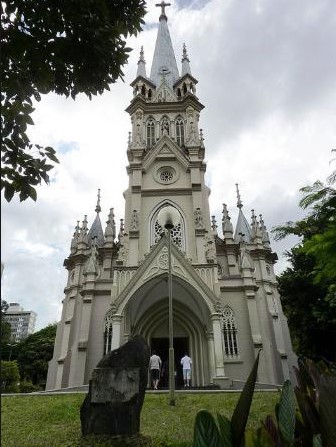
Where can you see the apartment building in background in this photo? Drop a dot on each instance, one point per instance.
(22, 321)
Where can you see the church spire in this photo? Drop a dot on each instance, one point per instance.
(96, 230)
(243, 229)
(239, 202)
(164, 62)
(98, 207)
(185, 62)
(141, 65)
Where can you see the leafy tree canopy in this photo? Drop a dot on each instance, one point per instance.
(5, 328)
(34, 353)
(72, 47)
(308, 287)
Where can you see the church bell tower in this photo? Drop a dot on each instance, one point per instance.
(225, 301)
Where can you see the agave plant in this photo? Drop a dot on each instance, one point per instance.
(305, 416)
(226, 432)
(311, 422)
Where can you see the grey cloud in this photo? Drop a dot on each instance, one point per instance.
(255, 62)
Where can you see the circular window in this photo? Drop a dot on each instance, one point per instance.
(166, 174)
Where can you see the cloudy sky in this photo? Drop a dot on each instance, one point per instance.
(267, 77)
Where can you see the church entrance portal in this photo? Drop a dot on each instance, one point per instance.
(161, 346)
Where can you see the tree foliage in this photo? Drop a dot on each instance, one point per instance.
(72, 47)
(34, 353)
(308, 287)
(10, 377)
(5, 328)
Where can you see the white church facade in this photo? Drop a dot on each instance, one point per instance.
(226, 306)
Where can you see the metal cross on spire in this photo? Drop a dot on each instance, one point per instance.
(163, 5)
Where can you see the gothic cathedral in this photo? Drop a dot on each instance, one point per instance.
(226, 305)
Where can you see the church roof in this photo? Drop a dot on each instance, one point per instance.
(164, 61)
(96, 231)
(242, 228)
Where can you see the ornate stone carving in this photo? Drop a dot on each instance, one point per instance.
(134, 220)
(198, 218)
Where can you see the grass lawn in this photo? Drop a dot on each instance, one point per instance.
(50, 421)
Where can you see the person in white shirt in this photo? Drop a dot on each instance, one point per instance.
(155, 366)
(186, 363)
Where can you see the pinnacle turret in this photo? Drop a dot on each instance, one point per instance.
(83, 234)
(226, 224)
(110, 230)
(264, 232)
(74, 240)
(185, 62)
(142, 65)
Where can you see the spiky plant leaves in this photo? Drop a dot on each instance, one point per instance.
(241, 412)
(308, 411)
(272, 430)
(258, 438)
(206, 432)
(327, 390)
(225, 430)
(317, 441)
(286, 415)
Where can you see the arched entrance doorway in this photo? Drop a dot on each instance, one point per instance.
(146, 313)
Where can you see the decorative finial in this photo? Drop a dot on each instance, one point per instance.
(98, 207)
(254, 219)
(142, 55)
(163, 12)
(184, 53)
(122, 229)
(213, 223)
(225, 212)
(239, 202)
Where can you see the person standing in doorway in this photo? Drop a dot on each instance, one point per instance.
(155, 366)
(186, 363)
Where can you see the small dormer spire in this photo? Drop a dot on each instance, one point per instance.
(142, 64)
(75, 237)
(226, 223)
(239, 201)
(98, 207)
(185, 62)
(264, 232)
(142, 58)
(242, 228)
(110, 230)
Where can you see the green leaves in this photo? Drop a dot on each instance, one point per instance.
(230, 433)
(241, 412)
(206, 431)
(70, 48)
(286, 414)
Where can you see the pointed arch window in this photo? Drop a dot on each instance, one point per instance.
(150, 133)
(108, 333)
(179, 132)
(177, 233)
(229, 330)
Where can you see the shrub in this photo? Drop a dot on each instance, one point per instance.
(10, 377)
